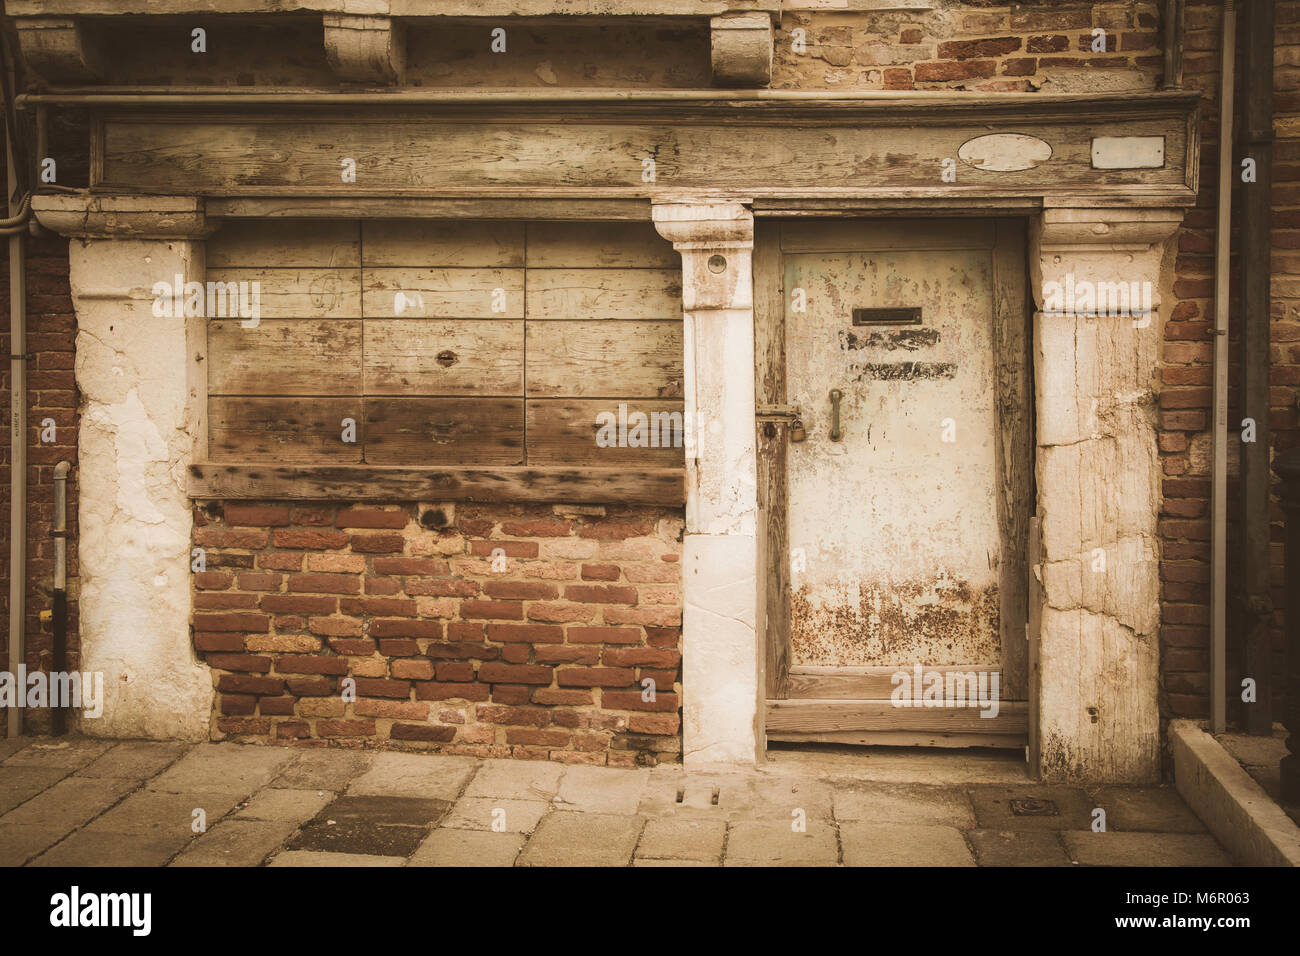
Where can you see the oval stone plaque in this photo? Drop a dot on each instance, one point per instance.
(1004, 152)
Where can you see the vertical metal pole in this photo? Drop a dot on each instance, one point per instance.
(1288, 468)
(1219, 426)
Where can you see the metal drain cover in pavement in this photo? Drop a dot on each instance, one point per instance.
(1030, 807)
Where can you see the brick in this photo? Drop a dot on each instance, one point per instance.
(654, 723)
(352, 647)
(412, 670)
(380, 687)
(516, 653)
(497, 672)
(595, 676)
(335, 626)
(404, 566)
(565, 654)
(968, 49)
(455, 649)
(537, 527)
(325, 583)
(436, 690)
(405, 627)
(248, 684)
(256, 515)
(209, 641)
(293, 730)
(530, 633)
(631, 700)
(242, 726)
(213, 537)
(898, 78)
(260, 581)
(518, 716)
(213, 580)
(520, 590)
(603, 635)
(238, 704)
(538, 738)
(510, 694)
(371, 518)
(280, 561)
(457, 670)
(493, 610)
(348, 563)
(248, 663)
(380, 607)
(398, 647)
(403, 709)
(442, 587)
(560, 613)
(512, 549)
(231, 622)
(213, 601)
(600, 594)
(308, 664)
(319, 539)
(425, 732)
(310, 687)
(954, 70)
(277, 706)
(601, 572)
(383, 586)
(549, 696)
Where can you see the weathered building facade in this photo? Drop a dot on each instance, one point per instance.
(622, 382)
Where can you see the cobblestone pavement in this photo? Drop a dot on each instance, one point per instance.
(82, 802)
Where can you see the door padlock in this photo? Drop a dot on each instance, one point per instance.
(797, 432)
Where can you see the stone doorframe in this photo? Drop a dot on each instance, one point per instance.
(1094, 658)
(1094, 675)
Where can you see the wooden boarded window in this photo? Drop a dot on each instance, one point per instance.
(448, 344)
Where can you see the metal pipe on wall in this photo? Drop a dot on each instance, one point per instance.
(60, 535)
(1219, 425)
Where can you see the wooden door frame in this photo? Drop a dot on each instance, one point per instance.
(1015, 503)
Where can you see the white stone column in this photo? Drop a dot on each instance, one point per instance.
(720, 647)
(1098, 478)
(134, 445)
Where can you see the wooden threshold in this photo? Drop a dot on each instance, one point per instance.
(654, 486)
(814, 719)
(901, 738)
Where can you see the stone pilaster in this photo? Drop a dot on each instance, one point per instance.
(135, 441)
(720, 650)
(1098, 481)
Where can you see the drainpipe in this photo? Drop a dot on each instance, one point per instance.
(15, 227)
(1219, 429)
(60, 535)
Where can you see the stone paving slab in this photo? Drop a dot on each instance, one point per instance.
(993, 807)
(223, 768)
(372, 825)
(582, 839)
(1144, 849)
(71, 754)
(282, 805)
(601, 790)
(506, 816)
(759, 843)
(516, 780)
(669, 839)
(414, 775)
(151, 812)
(903, 844)
(311, 858)
(448, 847)
(18, 844)
(1146, 809)
(898, 803)
(20, 783)
(330, 770)
(136, 759)
(102, 848)
(71, 802)
(1018, 847)
(236, 843)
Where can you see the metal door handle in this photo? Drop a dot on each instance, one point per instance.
(836, 395)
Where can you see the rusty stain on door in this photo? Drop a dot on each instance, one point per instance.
(896, 527)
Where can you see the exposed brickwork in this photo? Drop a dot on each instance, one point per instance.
(502, 630)
(51, 395)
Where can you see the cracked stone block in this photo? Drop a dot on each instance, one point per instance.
(601, 790)
(310, 858)
(71, 802)
(903, 844)
(448, 847)
(1018, 848)
(516, 780)
(169, 815)
(101, 848)
(582, 839)
(293, 806)
(1148, 809)
(324, 770)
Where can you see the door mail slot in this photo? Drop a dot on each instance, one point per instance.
(898, 316)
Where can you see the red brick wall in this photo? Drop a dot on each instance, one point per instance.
(538, 653)
(1185, 400)
(51, 393)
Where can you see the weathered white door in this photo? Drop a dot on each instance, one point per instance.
(897, 500)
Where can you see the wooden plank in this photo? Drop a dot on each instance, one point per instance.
(854, 147)
(432, 244)
(563, 245)
(398, 207)
(1015, 448)
(899, 738)
(657, 486)
(196, 384)
(822, 716)
(446, 357)
(605, 293)
(896, 236)
(281, 243)
(444, 431)
(566, 431)
(605, 359)
(773, 497)
(869, 683)
(501, 9)
(444, 293)
(285, 357)
(283, 429)
(298, 292)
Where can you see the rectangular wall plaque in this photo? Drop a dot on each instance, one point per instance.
(901, 316)
(1128, 152)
